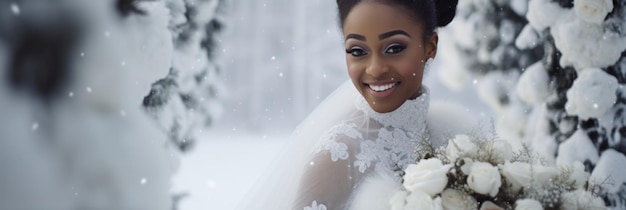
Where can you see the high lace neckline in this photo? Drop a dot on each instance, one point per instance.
(410, 116)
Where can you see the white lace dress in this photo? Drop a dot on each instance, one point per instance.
(366, 144)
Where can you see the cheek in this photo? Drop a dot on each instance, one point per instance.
(355, 71)
(410, 68)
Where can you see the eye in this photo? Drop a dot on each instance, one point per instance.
(395, 48)
(356, 52)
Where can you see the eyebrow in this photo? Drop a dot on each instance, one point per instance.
(355, 36)
(392, 33)
(380, 37)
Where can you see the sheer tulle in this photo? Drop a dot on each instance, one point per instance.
(343, 143)
(277, 188)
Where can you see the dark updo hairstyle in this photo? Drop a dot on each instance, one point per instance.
(432, 13)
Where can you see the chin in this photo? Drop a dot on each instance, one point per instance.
(384, 108)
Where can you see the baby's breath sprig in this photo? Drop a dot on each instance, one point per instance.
(424, 149)
(525, 155)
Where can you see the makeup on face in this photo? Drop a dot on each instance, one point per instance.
(384, 50)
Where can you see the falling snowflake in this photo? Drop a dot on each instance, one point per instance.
(15, 9)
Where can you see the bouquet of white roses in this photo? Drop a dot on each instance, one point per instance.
(485, 174)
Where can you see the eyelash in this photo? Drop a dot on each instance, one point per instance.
(358, 52)
(398, 48)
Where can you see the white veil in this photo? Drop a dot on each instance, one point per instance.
(277, 188)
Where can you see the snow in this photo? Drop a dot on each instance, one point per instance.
(511, 121)
(77, 155)
(453, 74)
(111, 155)
(578, 147)
(528, 38)
(94, 148)
(469, 26)
(224, 165)
(15, 8)
(519, 6)
(507, 31)
(143, 42)
(27, 169)
(530, 109)
(533, 85)
(543, 13)
(595, 46)
(497, 86)
(537, 134)
(592, 94)
(608, 168)
(593, 11)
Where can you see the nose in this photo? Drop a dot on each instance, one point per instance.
(377, 66)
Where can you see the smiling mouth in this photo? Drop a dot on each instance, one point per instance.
(382, 88)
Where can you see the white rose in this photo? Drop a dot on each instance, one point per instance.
(517, 174)
(398, 200)
(437, 203)
(488, 205)
(484, 179)
(578, 175)
(593, 11)
(419, 200)
(428, 176)
(520, 174)
(581, 199)
(460, 145)
(457, 200)
(528, 204)
(502, 151)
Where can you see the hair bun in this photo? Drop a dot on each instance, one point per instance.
(446, 10)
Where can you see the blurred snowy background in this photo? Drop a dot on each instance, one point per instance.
(181, 104)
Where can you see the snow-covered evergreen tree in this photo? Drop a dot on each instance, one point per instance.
(74, 75)
(185, 101)
(553, 71)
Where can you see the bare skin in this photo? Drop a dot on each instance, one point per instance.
(385, 54)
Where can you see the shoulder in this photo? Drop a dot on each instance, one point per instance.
(446, 118)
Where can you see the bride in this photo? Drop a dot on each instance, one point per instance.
(355, 136)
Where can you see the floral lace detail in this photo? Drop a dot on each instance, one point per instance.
(315, 206)
(339, 150)
(394, 143)
(397, 138)
(393, 148)
(410, 116)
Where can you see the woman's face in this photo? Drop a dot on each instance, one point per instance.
(385, 54)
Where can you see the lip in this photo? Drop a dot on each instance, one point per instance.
(383, 93)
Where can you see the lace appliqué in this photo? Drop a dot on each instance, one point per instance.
(393, 148)
(410, 116)
(316, 206)
(397, 137)
(339, 150)
(394, 143)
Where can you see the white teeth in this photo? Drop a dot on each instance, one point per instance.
(379, 88)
